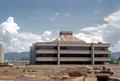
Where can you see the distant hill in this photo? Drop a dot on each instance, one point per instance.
(17, 56)
(116, 54)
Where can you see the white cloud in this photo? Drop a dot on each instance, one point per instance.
(54, 16)
(9, 26)
(114, 19)
(16, 41)
(20, 41)
(67, 14)
(46, 36)
(89, 38)
(58, 15)
(108, 32)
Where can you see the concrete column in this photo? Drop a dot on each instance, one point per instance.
(58, 53)
(92, 49)
(32, 55)
(1, 53)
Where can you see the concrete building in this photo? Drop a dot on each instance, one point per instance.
(1, 53)
(67, 49)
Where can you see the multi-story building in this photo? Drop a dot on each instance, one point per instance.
(67, 49)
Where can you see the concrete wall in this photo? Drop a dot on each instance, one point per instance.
(1, 53)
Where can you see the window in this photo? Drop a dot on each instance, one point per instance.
(75, 48)
(75, 55)
(46, 48)
(46, 55)
(102, 55)
(100, 48)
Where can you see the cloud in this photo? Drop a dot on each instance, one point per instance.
(54, 16)
(107, 32)
(46, 36)
(58, 15)
(89, 37)
(16, 41)
(67, 14)
(114, 20)
(9, 26)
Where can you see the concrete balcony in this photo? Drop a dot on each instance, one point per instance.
(74, 59)
(45, 44)
(46, 51)
(102, 59)
(102, 52)
(102, 45)
(74, 52)
(46, 59)
(76, 44)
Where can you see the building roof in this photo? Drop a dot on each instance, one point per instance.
(67, 36)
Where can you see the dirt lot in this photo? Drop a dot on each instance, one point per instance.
(45, 73)
(27, 74)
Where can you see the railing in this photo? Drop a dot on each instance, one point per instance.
(75, 59)
(102, 59)
(45, 51)
(74, 52)
(45, 44)
(102, 45)
(76, 44)
(102, 52)
(71, 52)
(46, 59)
(71, 44)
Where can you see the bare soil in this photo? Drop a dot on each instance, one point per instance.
(45, 73)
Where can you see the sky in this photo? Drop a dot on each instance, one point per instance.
(23, 22)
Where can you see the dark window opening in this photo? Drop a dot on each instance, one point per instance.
(75, 62)
(46, 55)
(102, 55)
(100, 48)
(99, 62)
(75, 55)
(75, 48)
(46, 48)
(46, 62)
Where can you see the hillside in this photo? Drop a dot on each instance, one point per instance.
(17, 56)
(116, 54)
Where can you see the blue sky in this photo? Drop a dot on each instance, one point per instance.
(38, 16)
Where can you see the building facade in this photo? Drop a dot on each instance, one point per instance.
(67, 49)
(1, 53)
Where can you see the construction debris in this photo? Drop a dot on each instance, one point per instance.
(81, 73)
(74, 72)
